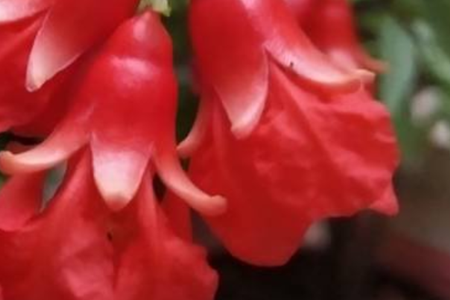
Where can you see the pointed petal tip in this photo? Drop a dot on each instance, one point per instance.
(186, 148)
(215, 206)
(243, 126)
(365, 76)
(115, 194)
(116, 200)
(12, 164)
(33, 81)
(242, 130)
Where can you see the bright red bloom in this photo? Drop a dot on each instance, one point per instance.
(125, 112)
(77, 249)
(41, 38)
(331, 26)
(256, 33)
(308, 149)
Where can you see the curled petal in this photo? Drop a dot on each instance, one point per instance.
(291, 48)
(60, 40)
(60, 145)
(197, 134)
(220, 49)
(13, 10)
(173, 175)
(17, 105)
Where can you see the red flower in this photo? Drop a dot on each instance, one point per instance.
(331, 26)
(124, 111)
(256, 34)
(78, 249)
(41, 38)
(280, 136)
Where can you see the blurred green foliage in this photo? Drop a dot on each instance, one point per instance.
(414, 37)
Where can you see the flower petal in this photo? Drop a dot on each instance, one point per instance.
(17, 105)
(64, 252)
(388, 204)
(291, 48)
(13, 10)
(309, 158)
(155, 263)
(69, 137)
(175, 178)
(179, 215)
(118, 167)
(60, 40)
(197, 134)
(20, 200)
(231, 59)
(337, 36)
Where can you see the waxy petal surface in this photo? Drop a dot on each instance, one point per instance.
(155, 263)
(16, 10)
(61, 253)
(310, 158)
(60, 40)
(20, 200)
(235, 40)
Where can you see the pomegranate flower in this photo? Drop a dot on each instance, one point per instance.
(278, 133)
(40, 38)
(125, 112)
(77, 249)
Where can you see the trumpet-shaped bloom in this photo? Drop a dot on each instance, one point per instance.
(125, 112)
(315, 150)
(78, 249)
(40, 38)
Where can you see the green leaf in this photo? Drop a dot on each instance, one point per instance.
(398, 49)
(437, 62)
(397, 86)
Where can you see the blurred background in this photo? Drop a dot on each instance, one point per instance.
(368, 256)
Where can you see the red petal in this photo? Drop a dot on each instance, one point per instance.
(231, 57)
(290, 47)
(155, 264)
(302, 9)
(233, 41)
(175, 178)
(67, 138)
(387, 204)
(60, 40)
(197, 134)
(15, 10)
(63, 253)
(309, 158)
(17, 105)
(179, 216)
(20, 200)
(332, 28)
